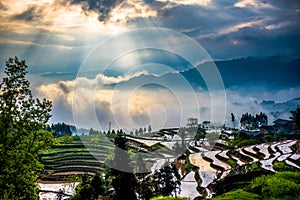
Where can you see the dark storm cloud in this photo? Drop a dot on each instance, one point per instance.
(31, 14)
(253, 41)
(102, 7)
(225, 30)
(276, 33)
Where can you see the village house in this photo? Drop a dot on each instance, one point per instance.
(283, 125)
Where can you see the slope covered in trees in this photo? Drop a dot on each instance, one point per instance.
(22, 119)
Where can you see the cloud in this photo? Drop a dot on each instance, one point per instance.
(240, 26)
(60, 29)
(259, 98)
(31, 14)
(114, 11)
(2, 6)
(102, 7)
(257, 4)
(131, 9)
(125, 106)
(189, 2)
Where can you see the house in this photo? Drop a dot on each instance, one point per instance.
(252, 134)
(283, 125)
(192, 122)
(265, 130)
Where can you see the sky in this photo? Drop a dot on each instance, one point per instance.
(124, 60)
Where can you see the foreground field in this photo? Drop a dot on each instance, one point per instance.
(201, 167)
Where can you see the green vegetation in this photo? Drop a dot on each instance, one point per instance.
(123, 182)
(253, 121)
(232, 163)
(166, 180)
(279, 185)
(71, 155)
(268, 138)
(25, 139)
(168, 198)
(60, 129)
(241, 140)
(156, 147)
(254, 166)
(22, 134)
(90, 188)
(188, 164)
(239, 194)
(66, 139)
(281, 166)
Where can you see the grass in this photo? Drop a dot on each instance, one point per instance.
(239, 194)
(168, 198)
(232, 163)
(254, 166)
(281, 184)
(281, 166)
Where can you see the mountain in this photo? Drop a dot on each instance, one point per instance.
(271, 72)
(282, 109)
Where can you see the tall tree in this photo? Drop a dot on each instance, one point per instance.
(90, 188)
(141, 130)
(123, 182)
(252, 122)
(22, 134)
(149, 128)
(233, 120)
(166, 180)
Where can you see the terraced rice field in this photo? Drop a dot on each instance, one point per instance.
(76, 157)
(87, 156)
(214, 165)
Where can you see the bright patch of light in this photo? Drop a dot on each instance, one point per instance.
(241, 25)
(190, 2)
(252, 4)
(131, 9)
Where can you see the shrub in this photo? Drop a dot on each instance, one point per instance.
(254, 166)
(232, 163)
(279, 185)
(239, 194)
(281, 166)
(168, 198)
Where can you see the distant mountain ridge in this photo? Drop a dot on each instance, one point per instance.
(282, 109)
(272, 72)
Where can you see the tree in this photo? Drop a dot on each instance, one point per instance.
(141, 130)
(123, 182)
(22, 133)
(233, 120)
(90, 188)
(145, 188)
(166, 180)
(149, 128)
(61, 129)
(296, 116)
(252, 122)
